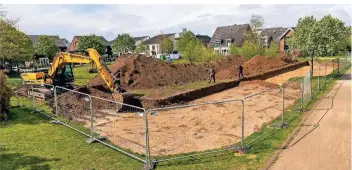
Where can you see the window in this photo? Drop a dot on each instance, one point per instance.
(148, 47)
(228, 42)
(217, 44)
(264, 41)
(153, 47)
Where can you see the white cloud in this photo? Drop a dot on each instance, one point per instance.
(109, 20)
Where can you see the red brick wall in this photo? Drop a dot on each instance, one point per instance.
(282, 41)
(73, 44)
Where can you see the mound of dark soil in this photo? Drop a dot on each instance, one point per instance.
(139, 71)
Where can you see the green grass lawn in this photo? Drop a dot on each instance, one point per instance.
(28, 141)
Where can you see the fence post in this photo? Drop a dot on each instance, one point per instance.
(311, 84)
(325, 74)
(33, 98)
(242, 126)
(302, 93)
(55, 100)
(338, 66)
(91, 118)
(149, 164)
(319, 77)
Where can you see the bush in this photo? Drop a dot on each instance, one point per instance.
(193, 51)
(5, 96)
(234, 50)
(251, 49)
(273, 50)
(208, 54)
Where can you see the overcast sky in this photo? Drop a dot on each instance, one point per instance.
(139, 20)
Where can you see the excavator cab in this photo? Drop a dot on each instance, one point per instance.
(64, 76)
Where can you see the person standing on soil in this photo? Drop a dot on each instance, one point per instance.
(240, 72)
(118, 81)
(212, 74)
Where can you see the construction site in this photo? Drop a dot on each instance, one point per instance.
(177, 130)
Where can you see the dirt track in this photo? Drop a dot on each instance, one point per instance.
(328, 145)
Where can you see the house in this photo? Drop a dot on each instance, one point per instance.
(66, 42)
(284, 39)
(224, 36)
(204, 39)
(139, 40)
(153, 44)
(278, 35)
(74, 42)
(58, 42)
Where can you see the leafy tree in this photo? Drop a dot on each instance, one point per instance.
(193, 51)
(14, 44)
(166, 45)
(141, 48)
(185, 37)
(208, 54)
(123, 43)
(234, 50)
(46, 46)
(329, 33)
(91, 41)
(256, 22)
(322, 37)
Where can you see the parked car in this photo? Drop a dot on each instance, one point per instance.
(175, 55)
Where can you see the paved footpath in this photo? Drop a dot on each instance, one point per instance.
(324, 140)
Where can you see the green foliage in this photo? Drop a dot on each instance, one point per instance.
(208, 54)
(193, 50)
(234, 50)
(46, 46)
(141, 48)
(91, 41)
(185, 37)
(14, 44)
(166, 45)
(123, 43)
(323, 37)
(5, 95)
(272, 51)
(250, 49)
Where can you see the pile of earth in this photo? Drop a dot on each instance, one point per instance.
(139, 71)
(74, 105)
(253, 66)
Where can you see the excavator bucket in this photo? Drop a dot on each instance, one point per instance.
(128, 101)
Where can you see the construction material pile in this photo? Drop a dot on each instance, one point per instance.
(139, 71)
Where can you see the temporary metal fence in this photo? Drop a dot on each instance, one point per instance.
(151, 135)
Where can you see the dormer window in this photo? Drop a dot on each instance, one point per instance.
(217, 44)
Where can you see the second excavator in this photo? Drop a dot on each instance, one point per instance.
(60, 74)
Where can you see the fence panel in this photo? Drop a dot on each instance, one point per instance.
(123, 124)
(206, 126)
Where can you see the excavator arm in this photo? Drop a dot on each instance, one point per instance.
(63, 58)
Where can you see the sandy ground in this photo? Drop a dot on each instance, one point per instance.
(328, 145)
(198, 128)
(300, 72)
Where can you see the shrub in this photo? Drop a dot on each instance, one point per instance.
(193, 51)
(5, 96)
(234, 50)
(208, 54)
(251, 49)
(273, 50)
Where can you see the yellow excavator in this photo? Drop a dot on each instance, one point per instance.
(60, 73)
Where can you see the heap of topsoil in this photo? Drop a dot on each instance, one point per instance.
(139, 71)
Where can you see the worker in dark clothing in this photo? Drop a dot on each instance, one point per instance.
(240, 72)
(118, 81)
(212, 74)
